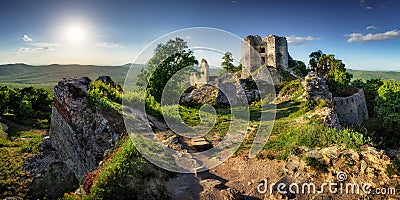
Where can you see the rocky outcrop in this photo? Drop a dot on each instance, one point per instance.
(237, 91)
(204, 94)
(326, 116)
(80, 134)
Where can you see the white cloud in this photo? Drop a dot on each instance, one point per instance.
(369, 8)
(110, 45)
(23, 49)
(372, 27)
(188, 37)
(26, 38)
(45, 45)
(37, 49)
(358, 37)
(299, 41)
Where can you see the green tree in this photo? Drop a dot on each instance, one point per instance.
(371, 92)
(4, 93)
(227, 63)
(314, 59)
(388, 104)
(333, 69)
(298, 67)
(167, 69)
(161, 52)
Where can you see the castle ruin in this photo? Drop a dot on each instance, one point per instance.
(271, 51)
(352, 109)
(204, 77)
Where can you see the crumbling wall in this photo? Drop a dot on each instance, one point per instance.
(352, 110)
(315, 86)
(271, 52)
(282, 55)
(79, 131)
(203, 78)
(253, 50)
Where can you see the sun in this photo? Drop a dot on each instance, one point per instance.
(75, 34)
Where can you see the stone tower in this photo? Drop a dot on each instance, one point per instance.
(271, 51)
(204, 72)
(203, 78)
(253, 50)
(277, 55)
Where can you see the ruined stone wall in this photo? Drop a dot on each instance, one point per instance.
(252, 45)
(79, 131)
(351, 110)
(203, 78)
(271, 51)
(234, 91)
(282, 55)
(204, 73)
(315, 87)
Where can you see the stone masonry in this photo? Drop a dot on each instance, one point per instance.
(316, 87)
(204, 78)
(351, 110)
(80, 132)
(271, 51)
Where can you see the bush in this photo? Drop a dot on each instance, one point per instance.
(388, 107)
(104, 95)
(393, 168)
(29, 104)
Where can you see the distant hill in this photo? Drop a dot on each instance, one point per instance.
(46, 76)
(366, 75)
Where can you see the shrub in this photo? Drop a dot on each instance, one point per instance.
(103, 95)
(29, 103)
(388, 107)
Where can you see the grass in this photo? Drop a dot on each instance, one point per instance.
(47, 76)
(291, 130)
(16, 146)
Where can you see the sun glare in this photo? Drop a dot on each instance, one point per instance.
(75, 34)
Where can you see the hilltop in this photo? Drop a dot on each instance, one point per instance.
(46, 76)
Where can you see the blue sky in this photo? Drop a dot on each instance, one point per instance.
(363, 33)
